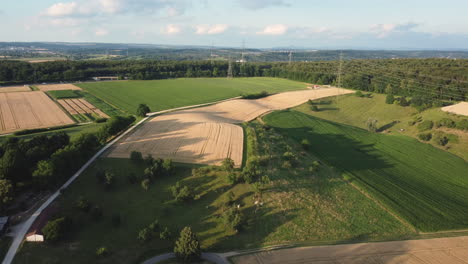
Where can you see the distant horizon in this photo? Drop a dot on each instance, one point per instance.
(335, 24)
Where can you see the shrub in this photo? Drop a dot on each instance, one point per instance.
(142, 110)
(314, 108)
(443, 140)
(425, 136)
(255, 95)
(144, 235)
(136, 156)
(234, 177)
(165, 234)
(289, 156)
(181, 194)
(167, 166)
(463, 124)
(305, 144)
(250, 173)
(358, 94)
(154, 226)
(83, 204)
(54, 230)
(446, 122)
(390, 99)
(187, 247)
(102, 252)
(233, 218)
(227, 164)
(372, 125)
(425, 125)
(100, 120)
(109, 179)
(145, 184)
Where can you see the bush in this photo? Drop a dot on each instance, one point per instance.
(54, 230)
(305, 144)
(443, 140)
(144, 235)
(181, 194)
(255, 95)
(136, 156)
(227, 164)
(314, 108)
(109, 179)
(102, 252)
(233, 218)
(100, 120)
(425, 125)
(165, 234)
(358, 94)
(154, 226)
(463, 124)
(83, 204)
(425, 136)
(145, 184)
(390, 99)
(142, 110)
(446, 122)
(372, 125)
(289, 156)
(234, 177)
(187, 247)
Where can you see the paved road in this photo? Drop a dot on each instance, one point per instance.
(452, 250)
(212, 257)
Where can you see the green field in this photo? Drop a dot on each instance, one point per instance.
(426, 186)
(64, 94)
(166, 94)
(298, 207)
(393, 119)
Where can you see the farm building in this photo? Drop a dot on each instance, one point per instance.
(35, 232)
(106, 78)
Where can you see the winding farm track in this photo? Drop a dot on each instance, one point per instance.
(207, 135)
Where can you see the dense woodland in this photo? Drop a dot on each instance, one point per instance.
(441, 79)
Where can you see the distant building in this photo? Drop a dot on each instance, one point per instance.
(35, 231)
(106, 78)
(4, 221)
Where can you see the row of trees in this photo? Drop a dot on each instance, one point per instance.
(433, 78)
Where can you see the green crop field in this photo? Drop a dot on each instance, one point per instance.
(166, 94)
(426, 186)
(64, 94)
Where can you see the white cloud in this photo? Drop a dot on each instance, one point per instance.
(210, 29)
(278, 29)
(61, 9)
(172, 29)
(260, 4)
(384, 30)
(111, 6)
(100, 32)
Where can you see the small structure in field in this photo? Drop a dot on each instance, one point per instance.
(106, 78)
(35, 231)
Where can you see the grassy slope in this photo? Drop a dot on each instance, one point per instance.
(298, 207)
(423, 184)
(355, 111)
(63, 94)
(165, 94)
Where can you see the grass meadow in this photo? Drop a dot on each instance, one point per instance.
(424, 185)
(166, 94)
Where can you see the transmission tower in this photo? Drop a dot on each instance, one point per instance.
(211, 53)
(340, 70)
(290, 57)
(229, 73)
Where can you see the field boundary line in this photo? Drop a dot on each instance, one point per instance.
(190, 107)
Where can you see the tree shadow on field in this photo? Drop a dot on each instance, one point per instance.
(387, 126)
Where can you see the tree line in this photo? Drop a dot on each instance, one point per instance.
(441, 79)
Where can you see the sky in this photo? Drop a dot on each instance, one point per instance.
(320, 24)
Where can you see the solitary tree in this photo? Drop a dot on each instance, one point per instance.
(372, 125)
(389, 99)
(142, 110)
(54, 230)
(187, 247)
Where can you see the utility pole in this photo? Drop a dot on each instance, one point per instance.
(340, 69)
(229, 73)
(290, 57)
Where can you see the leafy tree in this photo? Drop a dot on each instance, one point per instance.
(44, 175)
(145, 184)
(443, 140)
(142, 110)
(227, 164)
(154, 226)
(6, 193)
(102, 252)
(305, 144)
(187, 247)
(136, 156)
(425, 136)
(165, 234)
(167, 166)
(181, 193)
(372, 125)
(144, 235)
(83, 204)
(109, 179)
(233, 218)
(55, 230)
(314, 108)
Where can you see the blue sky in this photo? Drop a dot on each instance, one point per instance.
(379, 24)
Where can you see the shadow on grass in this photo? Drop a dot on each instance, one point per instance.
(387, 126)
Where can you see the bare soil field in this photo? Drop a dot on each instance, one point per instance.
(27, 110)
(207, 135)
(459, 109)
(440, 250)
(57, 87)
(80, 106)
(10, 89)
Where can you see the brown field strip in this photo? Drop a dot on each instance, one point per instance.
(80, 106)
(11, 89)
(428, 251)
(28, 110)
(57, 87)
(207, 135)
(459, 109)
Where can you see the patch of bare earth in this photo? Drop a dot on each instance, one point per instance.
(207, 135)
(80, 106)
(57, 87)
(28, 110)
(459, 109)
(10, 89)
(428, 251)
